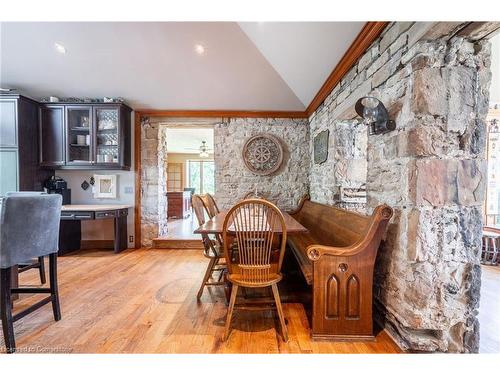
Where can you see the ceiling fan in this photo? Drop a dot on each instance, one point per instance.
(203, 149)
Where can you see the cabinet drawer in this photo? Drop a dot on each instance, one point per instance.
(77, 215)
(105, 214)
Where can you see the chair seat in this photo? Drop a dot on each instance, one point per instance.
(241, 280)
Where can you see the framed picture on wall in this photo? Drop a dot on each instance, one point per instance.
(105, 186)
(321, 147)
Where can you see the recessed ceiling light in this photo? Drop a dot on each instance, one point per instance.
(60, 48)
(200, 50)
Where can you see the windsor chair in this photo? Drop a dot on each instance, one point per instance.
(253, 225)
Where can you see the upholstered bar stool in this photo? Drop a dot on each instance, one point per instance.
(38, 263)
(491, 246)
(29, 229)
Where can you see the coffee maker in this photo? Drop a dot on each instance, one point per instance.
(56, 185)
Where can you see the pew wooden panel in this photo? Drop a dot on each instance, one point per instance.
(337, 257)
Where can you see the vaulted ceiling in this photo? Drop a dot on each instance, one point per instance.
(239, 66)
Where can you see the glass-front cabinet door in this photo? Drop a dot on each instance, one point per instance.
(107, 135)
(79, 135)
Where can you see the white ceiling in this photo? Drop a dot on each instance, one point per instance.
(303, 53)
(268, 66)
(188, 140)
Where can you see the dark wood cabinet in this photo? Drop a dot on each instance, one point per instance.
(85, 136)
(52, 136)
(19, 145)
(179, 204)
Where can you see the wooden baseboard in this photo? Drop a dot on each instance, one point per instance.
(96, 244)
(162, 243)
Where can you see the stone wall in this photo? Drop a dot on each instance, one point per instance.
(430, 170)
(346, 163)
(149, 181)
(233, 180)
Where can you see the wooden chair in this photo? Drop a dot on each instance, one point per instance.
(212, 210)
(252, 225)
(212, 248)
(210, 204)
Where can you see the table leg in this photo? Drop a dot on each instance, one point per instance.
(120, 243)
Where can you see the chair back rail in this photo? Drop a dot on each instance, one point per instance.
(251, 225)
(210, 204)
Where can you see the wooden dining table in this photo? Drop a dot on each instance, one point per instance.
(214, 225)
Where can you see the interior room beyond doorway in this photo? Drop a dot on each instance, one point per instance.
(190, 170)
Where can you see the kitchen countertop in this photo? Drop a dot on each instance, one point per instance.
(94, 207)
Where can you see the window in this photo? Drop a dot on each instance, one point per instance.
(174, 177)
(201, 176)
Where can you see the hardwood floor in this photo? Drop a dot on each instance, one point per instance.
(489, 310)
(183, 228)
(144, 301)
(180, 235)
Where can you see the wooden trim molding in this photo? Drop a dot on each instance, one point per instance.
(221, 113)
(138, 188)
(365, 38)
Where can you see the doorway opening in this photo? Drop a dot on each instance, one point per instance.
(190, 169)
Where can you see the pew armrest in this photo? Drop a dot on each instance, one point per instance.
(315, 252)
(306, 197)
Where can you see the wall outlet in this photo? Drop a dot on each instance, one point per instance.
(130, 238)
(129, 190)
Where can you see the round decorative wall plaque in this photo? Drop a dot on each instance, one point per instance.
(263, 154)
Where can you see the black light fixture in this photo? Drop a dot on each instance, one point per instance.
(375, 115)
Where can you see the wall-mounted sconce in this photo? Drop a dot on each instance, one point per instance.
(375, 115)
